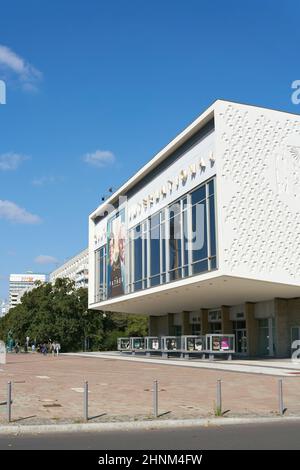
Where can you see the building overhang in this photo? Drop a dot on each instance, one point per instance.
(211, 292)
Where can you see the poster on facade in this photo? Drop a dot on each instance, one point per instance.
(116, 234)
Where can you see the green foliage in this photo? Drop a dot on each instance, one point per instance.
(59, 312)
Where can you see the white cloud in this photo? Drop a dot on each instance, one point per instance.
(45, 259)
(45, 180)
(10, 211)
(12, 63)
(11, 161)
(100, 158)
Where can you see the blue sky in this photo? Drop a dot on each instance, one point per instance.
(96, 88)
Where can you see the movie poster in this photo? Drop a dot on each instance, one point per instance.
(116, 235)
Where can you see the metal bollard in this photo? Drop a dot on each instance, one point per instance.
(280, 397)
(219, 397)
(155, 399)
(86, 401)
(8, 402)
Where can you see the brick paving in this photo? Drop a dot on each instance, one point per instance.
(50, 390)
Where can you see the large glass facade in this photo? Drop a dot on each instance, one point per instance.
(101, 274)
(174, 243)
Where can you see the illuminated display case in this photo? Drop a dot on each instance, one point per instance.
(171, 343)
(137, 344)
(123, 344)
(217, 343)
(193, 343)
(153, 343)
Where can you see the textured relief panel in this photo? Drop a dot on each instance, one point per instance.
(260, 172)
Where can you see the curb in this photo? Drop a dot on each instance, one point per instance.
(139, 425)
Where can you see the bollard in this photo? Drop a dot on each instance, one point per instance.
(280, 397)
(219, 398)
(155, 399)
(86, 401)
(8, 402)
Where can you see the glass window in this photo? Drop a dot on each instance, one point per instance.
(163, 245)
(100, 287)
(138, 259)
(145, 255)
(175, 245)
(211, 187)
(185, 238)
(155, 249)
(199, 231)
(178, 234)
(198, 195)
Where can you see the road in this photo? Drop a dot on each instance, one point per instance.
(247, 436)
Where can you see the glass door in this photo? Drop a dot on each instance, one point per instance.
(241, 341)
(266, 336)
(240, 331)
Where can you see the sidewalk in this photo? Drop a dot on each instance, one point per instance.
(49, 390)
(276, 367)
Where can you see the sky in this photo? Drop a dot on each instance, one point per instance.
(95, 88)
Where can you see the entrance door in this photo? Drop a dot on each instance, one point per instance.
(241, 341)
(266, 337)
(240, 331)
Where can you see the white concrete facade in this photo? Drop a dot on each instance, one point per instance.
(75, 269)
(21, 283)
(253, 156)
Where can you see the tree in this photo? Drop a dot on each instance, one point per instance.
(60, 312)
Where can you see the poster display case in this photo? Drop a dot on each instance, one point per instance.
(153, 343)
(137, 344)
(123, 344)
(171, 343)
(193, 343)
(220, 343)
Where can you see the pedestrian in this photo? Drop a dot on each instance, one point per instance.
(33, 347)
(53, 344)
(57, 348)
(17, 348)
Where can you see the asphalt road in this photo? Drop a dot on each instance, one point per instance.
(247, 436)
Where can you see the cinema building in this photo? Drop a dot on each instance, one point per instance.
(205, 238)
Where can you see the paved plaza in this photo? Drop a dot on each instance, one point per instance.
(50, 389)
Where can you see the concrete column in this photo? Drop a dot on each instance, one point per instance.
(185, 323)
(252, 329)
(153, 325)
(170, 317)
(204, 321)
(226, 323)
(159, 325)
(282, 330)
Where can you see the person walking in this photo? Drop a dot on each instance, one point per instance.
(57, 348)
(44, 349)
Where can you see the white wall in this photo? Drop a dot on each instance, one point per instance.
(200, 152)
(258, 192)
